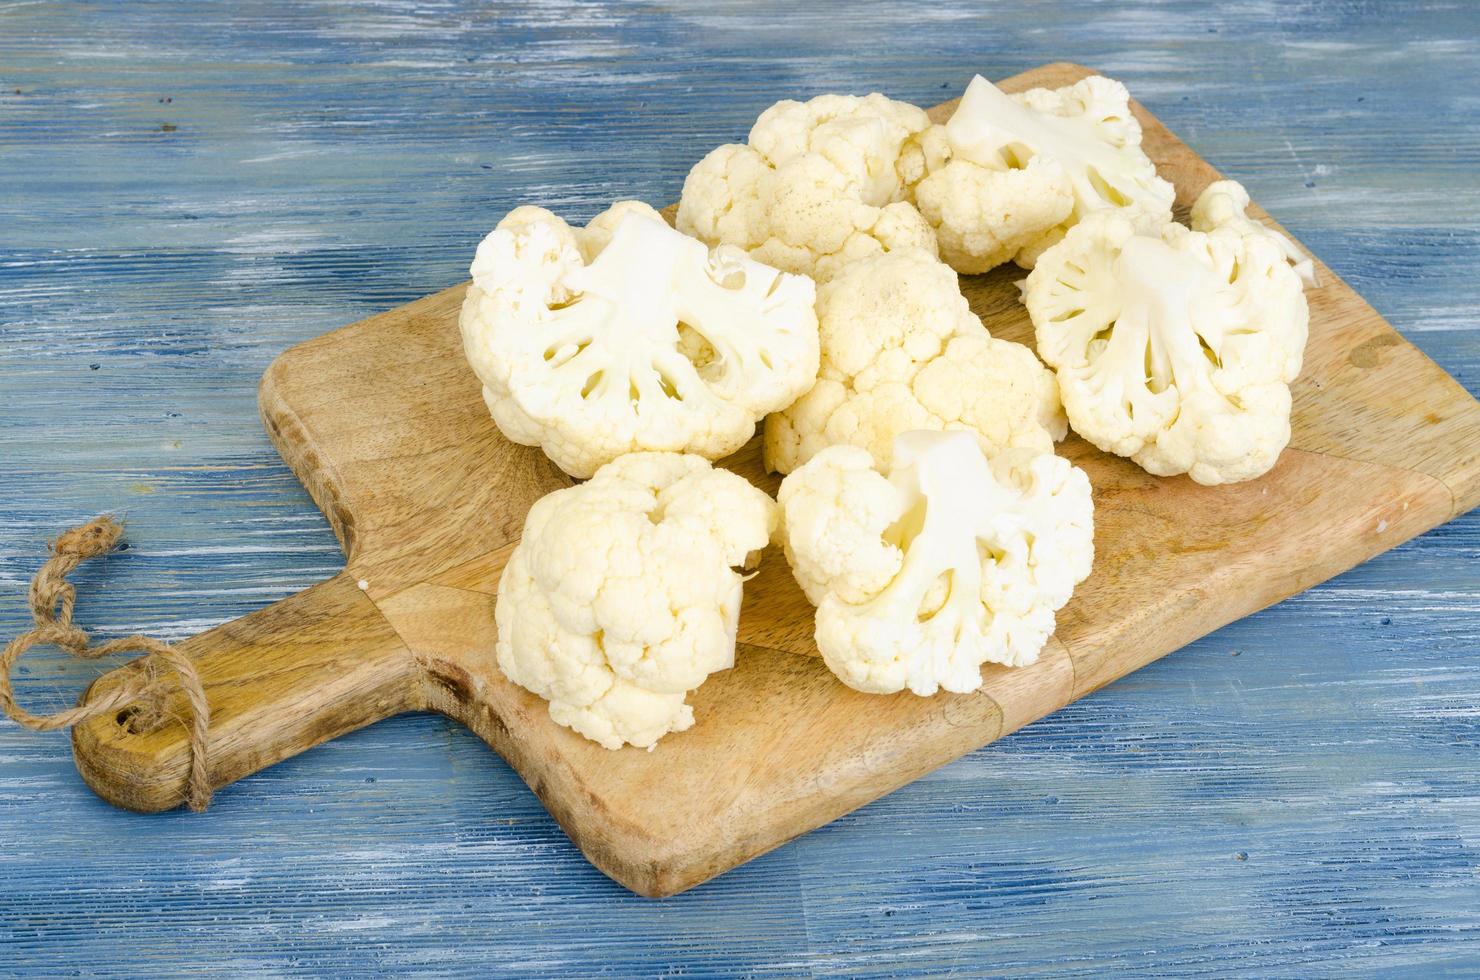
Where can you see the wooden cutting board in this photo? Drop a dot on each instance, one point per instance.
(383, 423)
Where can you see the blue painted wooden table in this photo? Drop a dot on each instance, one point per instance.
(187, 189)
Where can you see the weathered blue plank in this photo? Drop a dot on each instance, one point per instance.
(187, 189)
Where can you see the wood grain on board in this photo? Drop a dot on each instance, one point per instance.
(383, 423)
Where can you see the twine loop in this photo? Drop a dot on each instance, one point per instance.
(143, 696)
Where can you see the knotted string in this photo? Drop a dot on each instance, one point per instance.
(52, 599)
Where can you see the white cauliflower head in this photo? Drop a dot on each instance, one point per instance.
(820, 184)
(622, 595)
(627, 335)
(902, 350)
(1008, 175)
(949, 563)
(1176, 350)
(1225, 203)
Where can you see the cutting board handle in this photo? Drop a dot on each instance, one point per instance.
(304, 670)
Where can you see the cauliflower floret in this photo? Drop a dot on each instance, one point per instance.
(902, 350)
(949, 563)
(820, 184)
(622, 595)
(627, 335)
(1176, 350)
(1224, 203)
(838, 512)
(1008, 175)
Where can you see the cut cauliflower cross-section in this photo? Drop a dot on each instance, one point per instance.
(627, 335)
(902, 350)
(1176, 350)
(949, 563)
(819, 184)
(623, 596)
(1224, 203)
(1007, 175)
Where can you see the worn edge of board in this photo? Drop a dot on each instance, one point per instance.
(1459, 483)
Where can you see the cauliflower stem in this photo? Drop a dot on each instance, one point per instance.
(950, 562)
(1007, 175)
(627, 336)
(1176, 350)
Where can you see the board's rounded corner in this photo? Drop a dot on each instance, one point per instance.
(289, 436)
(269, 393)
(656, 876)
(273, 406)
(121, 775)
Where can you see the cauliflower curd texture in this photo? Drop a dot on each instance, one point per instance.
(627, 335)
(948, 563)
(1175, 350)
(819, 184)
(1009, 174)
(1223, 204)
(622, 595)
(902, 350)
(812, 281)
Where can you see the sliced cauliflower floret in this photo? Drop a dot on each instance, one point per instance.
(1008, 175)
(819, 184)
(627, 335)
(1176, 350)
(948, 563)
(1225, 203)
(902, 350)
(622, 595)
